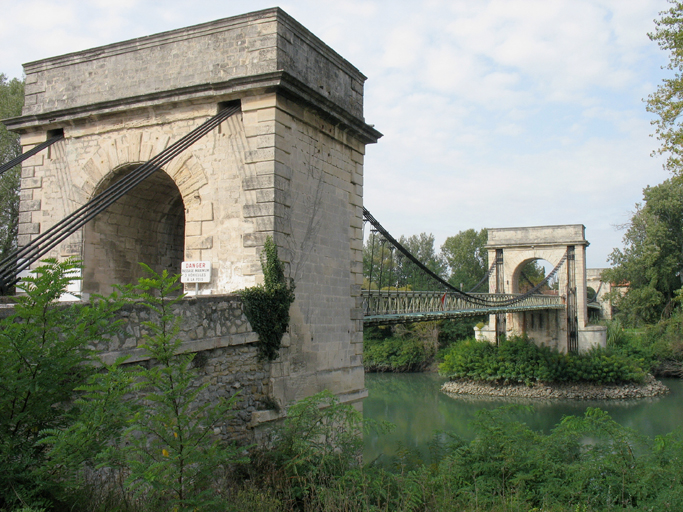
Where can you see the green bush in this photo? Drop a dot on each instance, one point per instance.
(507, 466)
(658, 346)
(267, 306)
(396, 355)
(665, 338)
(519, 360)
(451, 331)
(318, 443)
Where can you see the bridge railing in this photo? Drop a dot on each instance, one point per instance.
(396, 302)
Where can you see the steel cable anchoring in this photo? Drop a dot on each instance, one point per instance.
(22, 258)
(33, 151)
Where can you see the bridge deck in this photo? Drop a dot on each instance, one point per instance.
(391, 307)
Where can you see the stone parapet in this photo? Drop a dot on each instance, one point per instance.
(206, 323)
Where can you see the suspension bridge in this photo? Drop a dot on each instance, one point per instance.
(415, 294)
(383, 305)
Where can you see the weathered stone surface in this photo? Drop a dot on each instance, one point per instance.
(216, 331)
(206, 322)
(537, 236)
(258, 50)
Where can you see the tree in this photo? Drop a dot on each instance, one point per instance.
(667, 101)
(44, 348)
(422, 247)
(11, 102)
(467, 258)
(379, 267)
(389, 268)
(170, 447)
(532, 274)
(652, 259)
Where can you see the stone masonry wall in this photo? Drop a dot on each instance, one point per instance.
(275, 170)
(206, 323)
(316, 214)
(226, 358)
(209, 179)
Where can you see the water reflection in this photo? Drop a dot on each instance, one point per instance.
(414, 403)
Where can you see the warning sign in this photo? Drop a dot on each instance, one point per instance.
(195, 272)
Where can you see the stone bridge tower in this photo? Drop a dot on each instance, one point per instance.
(290, 165)
(511, 249)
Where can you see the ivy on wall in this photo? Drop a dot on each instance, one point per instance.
(266, 306)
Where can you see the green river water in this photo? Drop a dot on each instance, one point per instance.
(414, 403)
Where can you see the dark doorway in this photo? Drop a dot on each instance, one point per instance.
(145, 225)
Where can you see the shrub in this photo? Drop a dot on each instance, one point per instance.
(396, 355)
(518, 359)
(267, 306)
(318, 442)
(507, 466)
(659, 346)
(451, 331)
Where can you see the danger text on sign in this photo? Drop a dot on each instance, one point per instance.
(195, 272)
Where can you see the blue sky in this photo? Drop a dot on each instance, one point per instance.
(495, 113)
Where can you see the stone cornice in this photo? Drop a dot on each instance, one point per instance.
(234, 88)
(539, 245)
(536, 236)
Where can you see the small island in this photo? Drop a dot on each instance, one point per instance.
(517, 367)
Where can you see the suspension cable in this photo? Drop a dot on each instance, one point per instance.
(37, 149)
(485, 278)
(22, 258)
(375, 223)
(547, 278)
(469, 298)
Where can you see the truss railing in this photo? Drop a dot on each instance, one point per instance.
(386, 306)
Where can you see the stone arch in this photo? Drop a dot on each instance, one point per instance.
(516, 273)
(146, 225)
(114, 157)
(131, 147)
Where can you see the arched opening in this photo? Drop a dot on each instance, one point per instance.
(146, 225)
(540, 325)
(532, 272)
